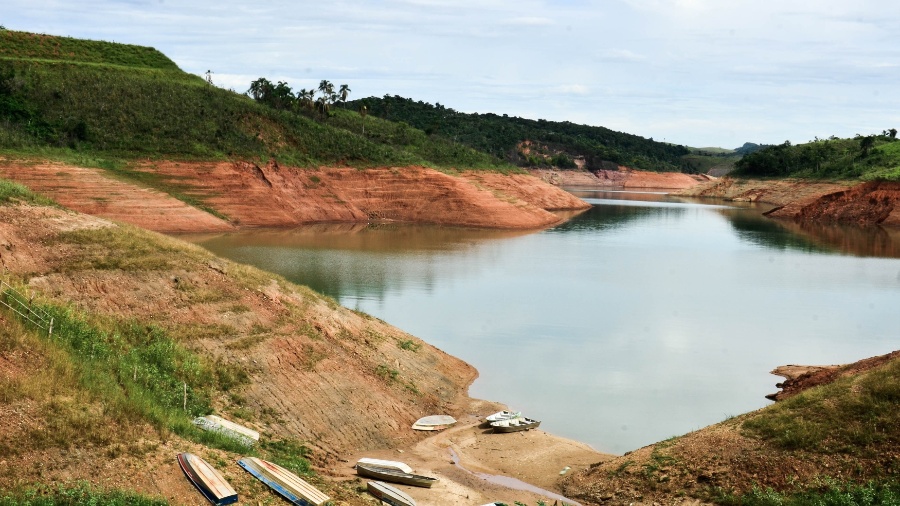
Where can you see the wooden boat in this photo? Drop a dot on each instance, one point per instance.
(515, 424)
(503, 415)
(229, 428)
(434, 422)
(386, 493)
(393, 475)
(208, 481)
(393, 464)
(286, 483)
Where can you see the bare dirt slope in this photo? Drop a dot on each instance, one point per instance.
(270, 195)
(872, 203)
(92, 191)
(622, 178)
(343, 383)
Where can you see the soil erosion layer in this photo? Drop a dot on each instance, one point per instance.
(249, 195)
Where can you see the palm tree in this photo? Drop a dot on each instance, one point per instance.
(344, 91)
(327, 90)
(363, 111)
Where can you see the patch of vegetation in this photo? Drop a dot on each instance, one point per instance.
(855, 416)
(136, 371)
(387, 373)
(13, 192)
(125, 248)
(863, 157)
(289, 454)
(828, 493)
(409, 345)
(76, 493)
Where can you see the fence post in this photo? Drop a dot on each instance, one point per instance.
(185, 396)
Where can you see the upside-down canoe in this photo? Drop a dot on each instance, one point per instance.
(208, 481)
(284, 482)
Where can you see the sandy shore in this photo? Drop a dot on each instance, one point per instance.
(476, 466)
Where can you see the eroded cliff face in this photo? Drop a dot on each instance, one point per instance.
(245, 194)
(809, 202)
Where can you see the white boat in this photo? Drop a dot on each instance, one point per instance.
(386, 493)
(434, 422)
(228, 428)
(515, 424)
(284, 482)
(390, 464)
(503, 415)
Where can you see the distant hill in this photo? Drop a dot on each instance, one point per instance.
(864, 157)
(533, 143)
(93, 99)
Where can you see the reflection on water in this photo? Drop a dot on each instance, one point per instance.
(635, 321)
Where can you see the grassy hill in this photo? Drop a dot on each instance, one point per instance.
(526, 142)
(66, 97)
(863, 157)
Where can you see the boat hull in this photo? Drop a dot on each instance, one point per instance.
(386, 474)
(515, 425)
(284, 482)
(386, 493)
(391, 464)
(207, 479)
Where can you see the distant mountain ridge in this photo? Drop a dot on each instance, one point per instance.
(527, 142)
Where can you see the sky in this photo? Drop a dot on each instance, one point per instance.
(701, 73)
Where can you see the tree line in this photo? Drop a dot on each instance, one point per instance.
(831, 157)
(280, 96)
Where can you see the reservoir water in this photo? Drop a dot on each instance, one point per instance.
(646, 317)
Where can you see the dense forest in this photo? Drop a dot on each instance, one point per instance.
(527, 142)
(862, 157)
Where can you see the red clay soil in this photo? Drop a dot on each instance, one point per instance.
(250, 195)
(801, 377)
(807, 202)
(622, 178)
(94, 192)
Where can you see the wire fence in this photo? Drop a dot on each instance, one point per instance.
(21, 305)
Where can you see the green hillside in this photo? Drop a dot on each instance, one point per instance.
(526, 142)
(61, 96)
(863, 157)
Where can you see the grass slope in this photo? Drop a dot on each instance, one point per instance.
(873, 157)
(66, 98)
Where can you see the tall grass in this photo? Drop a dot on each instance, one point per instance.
(14, 192)
(828, 493)
(76, 494)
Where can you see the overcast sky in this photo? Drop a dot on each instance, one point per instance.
(693, 72)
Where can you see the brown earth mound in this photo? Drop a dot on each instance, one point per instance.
(250, 195)
(802, 377)
(872, 203)
(622, 178)
(343, 383)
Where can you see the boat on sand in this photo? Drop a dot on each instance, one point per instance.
(388, 494)
(515, 424)
(503, 415)
(434, 422)
(207, 479)
(393, 475)
(392, 464)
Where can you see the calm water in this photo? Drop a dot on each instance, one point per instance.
(643, 318)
